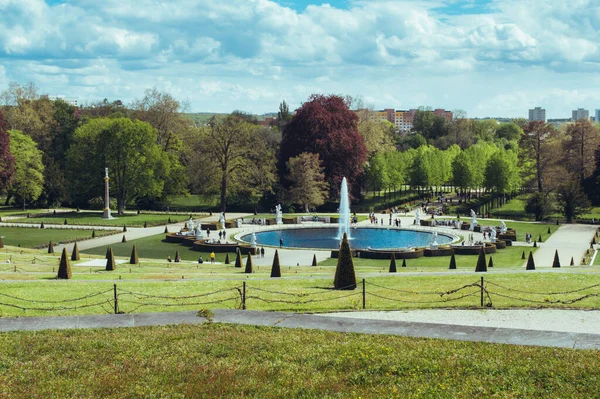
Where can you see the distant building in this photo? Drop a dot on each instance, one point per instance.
(559, 122)
(597, 118)
(403, 119)
(70, 101)
(580, 114)
(537, 114)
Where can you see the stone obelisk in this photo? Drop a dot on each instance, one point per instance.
(106, 214)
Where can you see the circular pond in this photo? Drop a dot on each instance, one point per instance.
(325, 238)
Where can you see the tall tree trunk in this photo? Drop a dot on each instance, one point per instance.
(223, 188)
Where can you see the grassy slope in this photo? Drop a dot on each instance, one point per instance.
(30, 237)
(241, 361)
(95, 218)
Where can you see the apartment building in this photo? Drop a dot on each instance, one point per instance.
(580, 114)
(403, 119)
(537, 114)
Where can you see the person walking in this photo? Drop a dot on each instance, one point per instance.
(281, 242)
(212, 257)
(262, 252)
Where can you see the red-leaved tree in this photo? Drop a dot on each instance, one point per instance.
(326, 126)
(7, 161)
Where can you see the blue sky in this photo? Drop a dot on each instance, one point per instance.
(486, 57)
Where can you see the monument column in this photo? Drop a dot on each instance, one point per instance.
(106, 214)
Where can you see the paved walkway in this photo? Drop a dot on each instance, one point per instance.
(516, 336)
(570, 240)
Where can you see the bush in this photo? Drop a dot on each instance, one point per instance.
(276, 268)
(64, 269)
(345, 277)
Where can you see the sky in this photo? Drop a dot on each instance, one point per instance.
(485, 57)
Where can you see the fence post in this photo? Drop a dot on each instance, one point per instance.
(116, 299)
(481, 291)
(364, 294)
(244, 296)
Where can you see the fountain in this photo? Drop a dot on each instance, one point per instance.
(344, 222)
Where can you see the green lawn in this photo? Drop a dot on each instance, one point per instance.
(214, 360)
(90, 218)
(33, 236)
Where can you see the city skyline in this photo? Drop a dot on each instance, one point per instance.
(486, 57)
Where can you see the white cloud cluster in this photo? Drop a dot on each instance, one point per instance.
(250, 54)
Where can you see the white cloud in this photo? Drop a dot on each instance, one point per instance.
(250, 54)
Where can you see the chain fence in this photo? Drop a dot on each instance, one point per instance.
(478, 294)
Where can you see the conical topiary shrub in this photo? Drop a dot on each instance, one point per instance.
(556, 261)
(530, 262)
(314, 262)
(166, 230)
(145, 224)
(481, 264)
(452, 262)
(238, 259)
(133, 259)
(227, 261)
(107, 252)
(93, 233)
(276, 268)
(124, 239)
(540, 238)
(535, 244)
(110, 260)
(177, 255)
(403, 262)
(549, 231)
(523, 255)
(124, 228)
(248, 264)
(75, 253)
(50, 248)
(64, 268)
(393, 264)
(169, 221)
(42, 225)
(572, 262)
(65, 222)
(491, 262)
(1, 242)
(345, 278)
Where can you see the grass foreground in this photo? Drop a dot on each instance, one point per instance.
(214, 360)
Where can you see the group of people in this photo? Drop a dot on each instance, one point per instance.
(528, 238)
(177, 258)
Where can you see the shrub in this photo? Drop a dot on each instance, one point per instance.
(133, 259)
(393, 264)
(314, 262)
(556, 261)
(227, 261)
(238, 259)
(345, 278)
(64, 268)
(50, 248)
(481, 266)
(491, 262)
(452, 263)
(276, 268)
(110, 261)
(248, 264)
(530, 262)
(75, 254)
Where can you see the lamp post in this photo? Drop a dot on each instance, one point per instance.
(106, 214)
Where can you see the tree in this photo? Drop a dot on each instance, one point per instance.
(326, 126)
(377, 134)
(308, 187)
(501, 173)
(28, 180)
(539, 149)
(64, 268)
(7, 160)
(284, 115)
(540, 205)
(165, 114)
(571, 199)
(241, 163)
(509, 131)
(137, 165)
(582, 140)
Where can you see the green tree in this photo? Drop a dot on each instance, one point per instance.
(509, 131)
(7, 160)
(571, 199)
(28, 180)
(540, 205)
(308, 187)
(234, 148)
(582, 140)
(137, 165)
(501, 173)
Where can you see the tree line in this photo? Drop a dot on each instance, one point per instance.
(52, 154)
